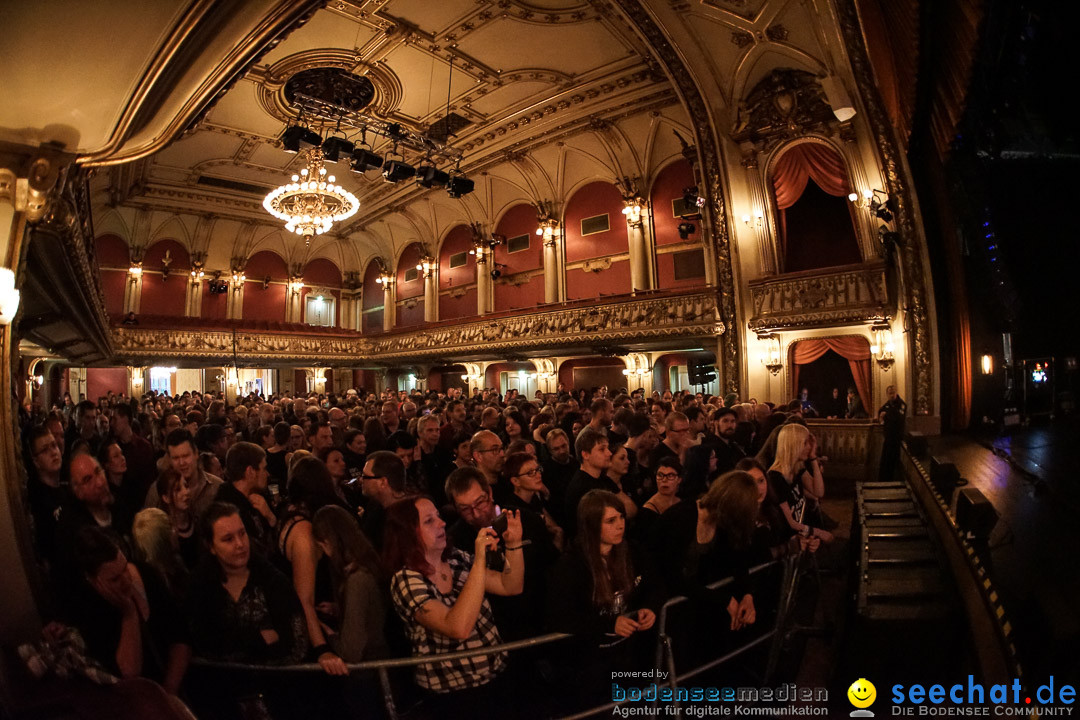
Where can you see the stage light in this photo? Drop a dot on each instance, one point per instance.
(397, 170)
(297, 138)
(334, 146)
(363, 160)
(686, 230)
(430, 176)
(459, 185)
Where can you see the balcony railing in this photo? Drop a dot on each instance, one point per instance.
(844, 295)
(603, 321)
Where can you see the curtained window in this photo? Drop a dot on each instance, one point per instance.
(815, 221)
(853, 348)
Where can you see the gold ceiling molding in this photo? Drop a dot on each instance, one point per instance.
(168, 99)
(271, 95)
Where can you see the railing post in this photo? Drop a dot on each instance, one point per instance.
(388, 694)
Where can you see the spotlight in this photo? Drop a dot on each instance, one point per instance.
(394, 130)
(459, 185)
(397, 170)
(363, 160)
(297, 138)
(686, 229)
(691, 197)
(430, 176)
(334, 146)
(496, 274)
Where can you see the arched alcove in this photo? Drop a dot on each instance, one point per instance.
(322, 279)
(410, 286)
(815, 223)
(597, 261)
(373, 299)
(457, 275)
(165, 293)
(680, 262)
(266, 290)
(518, 260)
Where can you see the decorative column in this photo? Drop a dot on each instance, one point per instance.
(133, 288)
(484, 286)
(389, 315)
(429, 268)
(633, 206)
(352, 302)
(753, 218)
(293, 299)
(549, 231)
(234, 303)
(193, 301)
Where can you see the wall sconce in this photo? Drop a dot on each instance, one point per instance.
(426, 266)
(754, 222)
(266, 282)
(238, 279)
(633, 207)
(165, 262)
(547, 229)
(881, 349)
(135, 270)
(196, 272)
(9, 296)
(987, 364)
(772, 356)
(384, 278)
(295, 285)
(877, 202)
(471, 378)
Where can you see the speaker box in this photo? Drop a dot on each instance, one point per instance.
(944, 476)
(975, 513)
(916, 443)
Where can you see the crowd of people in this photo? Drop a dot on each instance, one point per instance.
(360, 526)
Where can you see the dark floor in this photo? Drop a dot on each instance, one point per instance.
(1031, 478)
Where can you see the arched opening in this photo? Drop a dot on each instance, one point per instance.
(593, 372)
(680, 261)
(267, 287)
(457, 275)
(445, 377)
(597, 245)
(815, 222)
(821, 364)
(321, 295)
(519, 260)
(410, 286)
(671, 372)
(373, 299)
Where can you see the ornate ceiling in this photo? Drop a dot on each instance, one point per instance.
(554, 92)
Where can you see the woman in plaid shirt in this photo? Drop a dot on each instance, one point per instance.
(439, 593)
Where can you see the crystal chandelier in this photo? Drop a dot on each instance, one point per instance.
(312, 202)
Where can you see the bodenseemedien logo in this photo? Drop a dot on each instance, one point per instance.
(862, 694)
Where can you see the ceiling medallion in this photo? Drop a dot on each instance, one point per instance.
(312, 202)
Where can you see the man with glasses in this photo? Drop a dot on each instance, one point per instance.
(676, 439)
(520, 616)
(488, 456)
(43, 490)
(382, 482)
(530, 493)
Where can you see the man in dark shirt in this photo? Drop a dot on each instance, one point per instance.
(675, 439)
(456, 417)
(130, 622)
(518, 616)
(383, 482)
(559, 468)
(43, 490)
(139, 453)
(855, 409)
(728, 452)
(595, 455)
(893, 415)
(436, 462)
(246, 480)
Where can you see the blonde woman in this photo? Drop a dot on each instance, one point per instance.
(156, 546)
(795, 474)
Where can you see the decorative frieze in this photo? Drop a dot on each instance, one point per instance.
(833, 296)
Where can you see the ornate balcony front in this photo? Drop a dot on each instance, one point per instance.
(604, 321)
(844, 295)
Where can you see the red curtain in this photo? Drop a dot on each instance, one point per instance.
(796, 167)
(853, 348)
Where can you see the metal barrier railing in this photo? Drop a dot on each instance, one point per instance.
(665, 655)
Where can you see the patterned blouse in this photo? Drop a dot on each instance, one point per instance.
(409, 591)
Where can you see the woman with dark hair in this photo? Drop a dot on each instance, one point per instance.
(513, 427)
(597, 595)
(176, 498)
(439, 593)
(359, 606)
(669, 475)
(310, 489)
(773, 537)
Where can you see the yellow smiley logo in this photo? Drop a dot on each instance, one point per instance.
(862, 693)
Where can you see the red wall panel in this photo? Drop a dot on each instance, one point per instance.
(266, 305)
(595, 199)
(372, 298)
(669, 185)
(214, 305)
(99, 381)
(112, 252)
(409, 259)
(407, 316)
(581, 284)
(435, 381)
(519, 220)
(372, 322)
(452, 308)
(165, 297)
(113, 284)
(665, 272)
